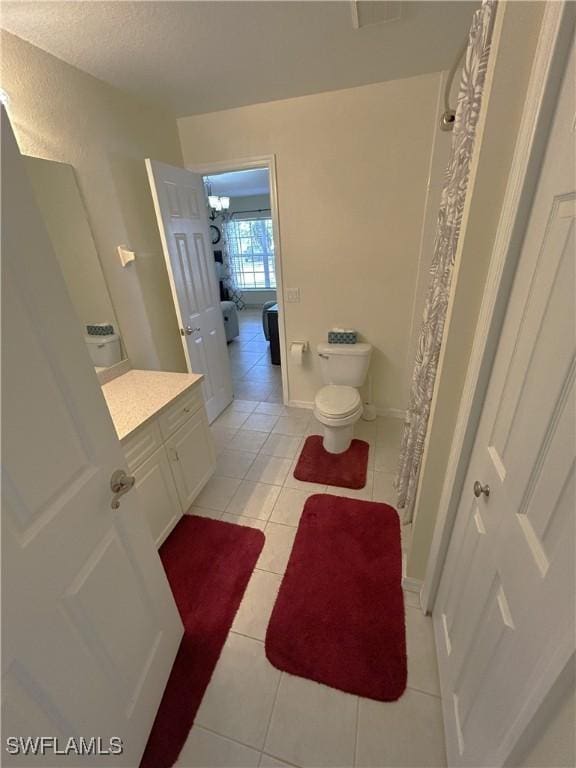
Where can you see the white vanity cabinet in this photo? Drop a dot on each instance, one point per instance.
(192, 457)
(172, 453)
(159, 500)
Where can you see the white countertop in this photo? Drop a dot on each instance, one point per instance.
(137, 396)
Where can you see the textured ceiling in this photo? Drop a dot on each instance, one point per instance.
(195, 57)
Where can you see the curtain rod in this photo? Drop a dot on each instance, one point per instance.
(449, 114)
(254, 210)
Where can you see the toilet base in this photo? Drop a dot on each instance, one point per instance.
(337, 439)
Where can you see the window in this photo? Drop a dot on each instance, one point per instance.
(251, 252)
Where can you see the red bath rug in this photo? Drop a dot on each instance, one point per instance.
(347, 470)
(339, 615)
(208, 564)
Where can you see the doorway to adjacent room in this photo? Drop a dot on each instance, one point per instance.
(241, 199)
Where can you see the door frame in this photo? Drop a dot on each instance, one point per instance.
(249, 164)
(543, 87)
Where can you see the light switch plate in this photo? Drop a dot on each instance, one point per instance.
(293, 295)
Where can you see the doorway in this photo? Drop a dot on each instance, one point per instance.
(242, 209)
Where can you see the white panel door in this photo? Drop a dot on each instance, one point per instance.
(183, 221)
(90, 627)
(504, 617)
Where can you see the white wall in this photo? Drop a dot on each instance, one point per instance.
(60, 113)
(352, 170)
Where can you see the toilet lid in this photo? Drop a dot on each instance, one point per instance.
(337, 401)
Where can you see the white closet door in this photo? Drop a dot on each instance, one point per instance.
(504, 618)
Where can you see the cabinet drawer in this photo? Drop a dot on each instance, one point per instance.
(142, 444)
(180, 411)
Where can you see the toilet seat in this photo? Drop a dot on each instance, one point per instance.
(337, 401)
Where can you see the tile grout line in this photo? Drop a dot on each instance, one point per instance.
(426, 693)
(243, 634)
(263, 570)
(355, 757)
(222, 736)
(272, 709)
(275, 757)
(263, 748)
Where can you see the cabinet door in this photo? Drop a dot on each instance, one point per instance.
(192, 457)
(158, 498)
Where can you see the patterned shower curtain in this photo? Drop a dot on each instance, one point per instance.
(445, 244)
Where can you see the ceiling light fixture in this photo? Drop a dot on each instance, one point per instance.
(217, 203)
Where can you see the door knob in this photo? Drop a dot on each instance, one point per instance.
(480, 489)
(188, 331)
(120, 483)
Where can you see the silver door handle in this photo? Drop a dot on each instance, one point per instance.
(480, 489)
(120, 483)
(188, 331)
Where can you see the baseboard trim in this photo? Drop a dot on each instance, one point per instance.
(391, 413)
(300, 404)
(412, 585)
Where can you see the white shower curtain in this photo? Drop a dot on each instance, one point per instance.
(445, 244)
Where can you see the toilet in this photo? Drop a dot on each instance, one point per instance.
(338, 405)
(105, 351)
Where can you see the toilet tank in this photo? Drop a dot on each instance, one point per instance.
(344, 363)
(104, 350)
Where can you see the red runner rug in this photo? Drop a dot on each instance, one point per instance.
(208, 564)
(339, 615)
(348, 469)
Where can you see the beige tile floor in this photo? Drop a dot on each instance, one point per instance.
(253, 375)
(253, 714)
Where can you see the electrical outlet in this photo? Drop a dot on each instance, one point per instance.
(293, 295)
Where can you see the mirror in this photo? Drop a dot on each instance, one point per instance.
(62, 208)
